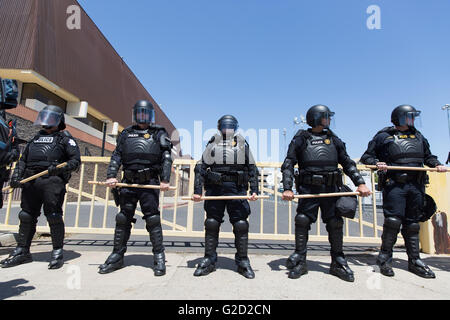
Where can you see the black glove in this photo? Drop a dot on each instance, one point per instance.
(14, 183)
(54, 171)
(10, 157)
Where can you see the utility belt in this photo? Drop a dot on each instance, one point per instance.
(141, 176)
(384, 179)
(218, 178)
(329, 179)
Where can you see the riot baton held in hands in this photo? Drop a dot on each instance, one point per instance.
(137, 186)
(43, 173)
(406, 168)
(225, 198)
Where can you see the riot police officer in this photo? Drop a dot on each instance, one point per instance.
(50, 147)
(144, 150)
(318, 151)
(227, 168)
(9, 147)
(403, 191)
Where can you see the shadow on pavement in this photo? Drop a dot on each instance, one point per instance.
(276, 265)
(222, 263)
(13, 288)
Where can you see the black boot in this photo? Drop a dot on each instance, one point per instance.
(56, 224)
(208, 263)
(153, 225)
(415, 264)
(296, 262)
(391, 228)
(21, 254)
(339, 266)
(240, 230)
(121, 236)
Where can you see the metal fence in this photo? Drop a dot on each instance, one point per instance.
(91, 209)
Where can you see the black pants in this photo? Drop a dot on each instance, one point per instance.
(403, 200)
(148, 199)
(47, 192)
(310, 207)
(237, 209)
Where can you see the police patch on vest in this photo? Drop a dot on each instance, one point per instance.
(44, 140)
(72, 143)
(133, 135)
(316, 142)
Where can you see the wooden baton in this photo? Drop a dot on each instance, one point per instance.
(137, 186)
(40, 174)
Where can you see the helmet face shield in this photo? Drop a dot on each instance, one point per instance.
(143, 115)
(410, 119)
(48, 118)
(325, 119)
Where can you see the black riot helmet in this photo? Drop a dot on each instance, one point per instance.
(316, 114)
(143, 112)
(227, 122)
(51, 116)
(405, 115)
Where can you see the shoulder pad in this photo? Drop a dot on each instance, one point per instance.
(65, 133)
(157, 127)
(128, 129)
(389, 130)
(302, 133)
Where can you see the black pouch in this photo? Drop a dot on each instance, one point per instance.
(346, 206)
(382, 178)
(429, 208)
(116, 194)
(317, 180)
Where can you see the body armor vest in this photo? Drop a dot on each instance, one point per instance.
(227, 155)
(45, 150)
(141, 147)
(320, 154)
(406, 148)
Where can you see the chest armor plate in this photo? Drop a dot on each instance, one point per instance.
(320, 151)
(141, 147)
(405, 148)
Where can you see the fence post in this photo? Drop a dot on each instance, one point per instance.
(190, 215)
(439, 189)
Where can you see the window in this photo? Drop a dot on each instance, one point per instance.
(92, 122)
(35, 91)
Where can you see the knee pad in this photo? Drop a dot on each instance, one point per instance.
(153, 221)
(122, 219)
(302, 221)
(241, 226)
(212, 225)
(413, 228)
(335, 223)
(392, 223)
(25, 217)
(55, 218)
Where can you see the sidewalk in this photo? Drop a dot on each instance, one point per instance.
(78, 279)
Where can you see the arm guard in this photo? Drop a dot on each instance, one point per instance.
(289, 163)
(116, 159)
(199, 180)
(166, 159)
(348, 164)
(429, 159)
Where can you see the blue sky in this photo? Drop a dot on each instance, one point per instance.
(267, 62)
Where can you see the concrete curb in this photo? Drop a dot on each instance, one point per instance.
(7, 239)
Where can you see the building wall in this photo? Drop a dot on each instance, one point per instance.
(34, 35)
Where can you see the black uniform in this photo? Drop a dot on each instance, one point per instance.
(146, 159)
(227, 168)
(318, 156)
(9, 151)
(403, 191)
(44, 152)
